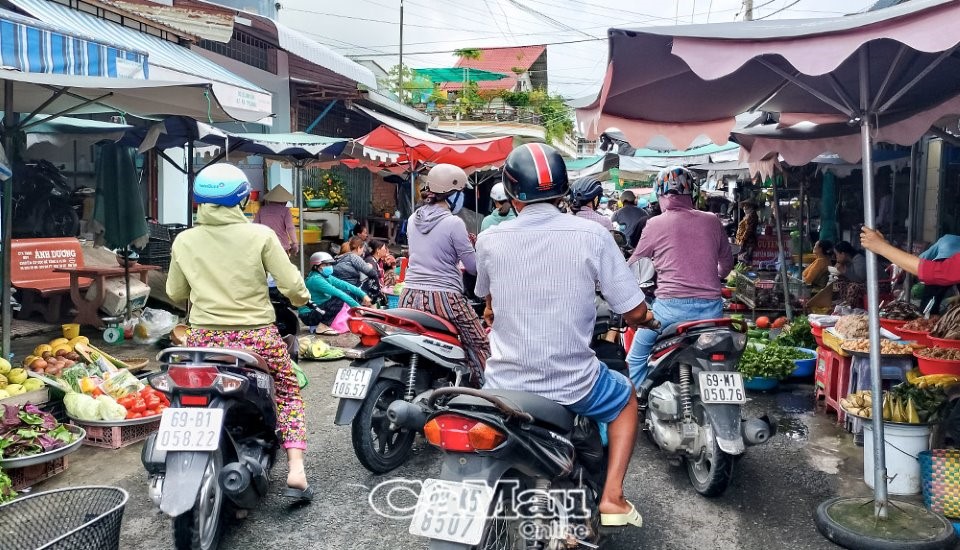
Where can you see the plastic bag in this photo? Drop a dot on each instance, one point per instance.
(121, 384)
(339, 324)
(154, 324)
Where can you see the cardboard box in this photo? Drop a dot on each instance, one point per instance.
(116, 301)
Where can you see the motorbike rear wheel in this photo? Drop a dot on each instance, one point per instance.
(711, 472)
(379, 445)
(505, 528)
(202, 527)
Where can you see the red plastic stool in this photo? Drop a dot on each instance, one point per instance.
(628, 336)
(832, 380)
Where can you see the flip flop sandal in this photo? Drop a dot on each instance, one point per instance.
(299, 495)
(631, 518)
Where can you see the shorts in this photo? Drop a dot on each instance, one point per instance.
(606, 400)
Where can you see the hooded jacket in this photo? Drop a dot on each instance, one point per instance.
(221, 266)
(438, 243)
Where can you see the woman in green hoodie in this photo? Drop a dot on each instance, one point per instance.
(230, 302)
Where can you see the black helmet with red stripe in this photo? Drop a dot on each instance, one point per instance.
(535, 172)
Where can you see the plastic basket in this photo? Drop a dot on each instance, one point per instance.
(162, 261)
(940, 475)
(75, 518)
(116, 437)
(393, 301)
(23, 478)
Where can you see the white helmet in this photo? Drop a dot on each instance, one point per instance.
(444, 178)
(498, 193)
(321, 258)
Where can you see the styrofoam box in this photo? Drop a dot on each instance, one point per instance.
(116, 301)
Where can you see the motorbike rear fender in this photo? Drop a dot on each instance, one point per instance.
(184, 473)
(725, 420)
(347, 409)
(476, 469)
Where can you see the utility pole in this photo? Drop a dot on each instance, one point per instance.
(400, 72)
(747, 10)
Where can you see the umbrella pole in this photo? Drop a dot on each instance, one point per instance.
(8, 123)
(298, 186)
(783, 256)
(873, 305)
(191, 176)
(911, 216)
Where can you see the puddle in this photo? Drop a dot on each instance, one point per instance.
(793, 428)
(795, 402)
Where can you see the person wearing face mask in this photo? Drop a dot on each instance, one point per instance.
(439, 244)
(502, 212)
(328, 292)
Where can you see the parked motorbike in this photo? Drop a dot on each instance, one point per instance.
(693, 398)
(43, 203)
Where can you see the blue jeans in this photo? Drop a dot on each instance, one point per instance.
(669, 311)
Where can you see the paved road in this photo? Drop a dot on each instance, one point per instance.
(769, 505)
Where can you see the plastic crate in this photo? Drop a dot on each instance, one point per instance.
(117, 437)
(57, 409)
(940, 474)
(161, 261)
(393, 301)
(23, 478)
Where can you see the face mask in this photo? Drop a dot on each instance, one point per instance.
(455, 201)
(326, 271)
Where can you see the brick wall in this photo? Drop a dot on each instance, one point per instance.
(384, 199)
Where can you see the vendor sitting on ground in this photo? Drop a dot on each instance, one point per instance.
(851, 282)
(328, 292)
(351, 267)
(817, 274)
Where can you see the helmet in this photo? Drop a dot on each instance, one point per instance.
(221, 184)
(498, 193)
(444, 178)
(584, 190)
(675, 180)
(320, 258)
(535, 172)
(628, 196)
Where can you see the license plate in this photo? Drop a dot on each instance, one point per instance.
(722, 387)
(190, 430)
(352, 382)
(452, 511)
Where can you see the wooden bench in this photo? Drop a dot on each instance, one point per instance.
(32, 266)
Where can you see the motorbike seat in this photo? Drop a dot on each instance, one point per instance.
(426, 320)
(546, 412)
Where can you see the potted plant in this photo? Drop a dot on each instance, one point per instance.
(763, 366)
(325, 189)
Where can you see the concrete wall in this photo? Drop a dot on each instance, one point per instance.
(931, 190)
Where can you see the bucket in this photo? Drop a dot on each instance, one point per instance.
(71, 330)
(904, 443)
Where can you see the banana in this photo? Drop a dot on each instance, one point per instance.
(913, 375)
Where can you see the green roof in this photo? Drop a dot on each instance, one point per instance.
(580, 164)
(696, 151)
(458, 74)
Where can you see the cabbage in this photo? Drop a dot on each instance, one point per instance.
(110, 409)
(82, 407)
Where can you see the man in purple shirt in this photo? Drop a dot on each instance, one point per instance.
(585, 196)
(691, 255)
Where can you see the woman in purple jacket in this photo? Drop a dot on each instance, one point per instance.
(691, 255)
(439, 243)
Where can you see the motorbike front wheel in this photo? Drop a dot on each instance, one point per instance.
(711, 472)
(201, 527)
(380, 445)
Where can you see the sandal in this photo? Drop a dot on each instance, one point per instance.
(622, 520)
(299, 495)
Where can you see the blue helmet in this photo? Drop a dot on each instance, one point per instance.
(221, 184)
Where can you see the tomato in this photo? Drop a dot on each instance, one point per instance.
(164, 399)
(162, 408)
(130, 414)
(126, 402)
(97, 392)
(133, 415)
(139, 406)
(763, 322)
(779, 322)
(152, 401)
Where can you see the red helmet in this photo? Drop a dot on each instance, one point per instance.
(535, 172)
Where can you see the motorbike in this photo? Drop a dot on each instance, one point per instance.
(43, 204)
(693, 396)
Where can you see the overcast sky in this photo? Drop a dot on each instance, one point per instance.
(433, 28)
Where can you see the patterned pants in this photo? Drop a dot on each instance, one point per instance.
(453, 307)
(267, 343)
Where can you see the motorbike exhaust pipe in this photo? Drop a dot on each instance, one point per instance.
(236, 481)
(406, 415)
(757, 431)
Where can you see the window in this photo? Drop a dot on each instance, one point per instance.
(244, 48)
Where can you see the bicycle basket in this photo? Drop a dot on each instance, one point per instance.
(75, 518)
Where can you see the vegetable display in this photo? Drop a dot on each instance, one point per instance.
(922, 324)
(773, 361)
(948, 327)
(6, 488)
(939, 380)
(949, 354)
(27, 431)
(852, 326)
(887, 347)
(798, 334)
(900, 311)
(918, 402)
(314, 348)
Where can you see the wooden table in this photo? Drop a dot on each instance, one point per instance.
(392, 226)
(88, 311)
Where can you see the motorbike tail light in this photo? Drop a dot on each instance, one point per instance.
(228, 383)
(455, 433)
(194, 400)
(161, 382)
(718, 357)
(188, 376)
(369, 336)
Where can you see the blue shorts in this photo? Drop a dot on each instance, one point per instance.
(609, 395)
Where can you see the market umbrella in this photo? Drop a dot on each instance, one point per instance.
(891, 71)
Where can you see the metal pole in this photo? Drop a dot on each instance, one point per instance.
(908, 279)
(783, 256)
(191, 176)
(9, 123)
(748, 10)
(400, 70)
(891, 199)
(298, 186)
(873, 302)
(413, 191)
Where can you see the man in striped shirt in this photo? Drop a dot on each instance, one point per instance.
(539, 274)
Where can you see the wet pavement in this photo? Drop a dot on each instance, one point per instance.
(770, 503)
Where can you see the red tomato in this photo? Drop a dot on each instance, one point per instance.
(133, 415)
(139, 406)
(162, 408)
(127, 402)
(130, 414)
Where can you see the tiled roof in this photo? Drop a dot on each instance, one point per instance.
(500, 60)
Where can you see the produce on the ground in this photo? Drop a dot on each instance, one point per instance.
(852, 326)
(772, 361)
(940, 380)
(887, 347)
(798, 334)
(6, 488)
(900, 311)
(949, 354)
(922, 324)
(948, 327)
(311, 347)
(905, 403)
(27, 431)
